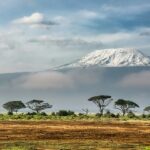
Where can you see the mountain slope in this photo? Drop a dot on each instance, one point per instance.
(112, 58)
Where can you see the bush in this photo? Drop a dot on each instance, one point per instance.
(131, 115)
(117, 115)
(108, 114)
(65, 113)
(33, 113)
(113, 115)
(43, 114)
(10, 113)
(98, 115)
(71, 113)
(143, 116)
(148, 116)
(80, 114)
(53, 114)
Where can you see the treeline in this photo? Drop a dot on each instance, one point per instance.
(125, 107)
(35, 105)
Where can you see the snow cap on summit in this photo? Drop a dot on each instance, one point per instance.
(119, 57)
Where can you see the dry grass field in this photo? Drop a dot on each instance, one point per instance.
(69, 135)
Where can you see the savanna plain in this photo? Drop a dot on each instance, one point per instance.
(75, 134)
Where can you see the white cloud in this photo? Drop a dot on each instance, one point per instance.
(137, 80)
(87, 14)
(35, 20)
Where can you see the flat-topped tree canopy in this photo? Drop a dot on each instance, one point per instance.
(102, 101)
(132, 104)
(36, 101)
(38, 105)
(14, 106)
(100, 97)
(125, 105)
(147, 109)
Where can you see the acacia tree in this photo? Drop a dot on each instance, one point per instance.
(147, 109)
(14, 106)
(102, 101)
(125, 106)
(38, 105)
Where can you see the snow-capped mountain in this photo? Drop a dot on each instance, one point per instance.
(112, 58)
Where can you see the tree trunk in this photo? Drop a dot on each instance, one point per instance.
(123, 113)
(101, 112)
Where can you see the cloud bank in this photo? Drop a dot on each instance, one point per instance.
(44, 80)
(137, 80)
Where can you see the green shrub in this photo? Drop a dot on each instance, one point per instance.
(43, 114)
(10, 113)
(80, 114)
(143, 116)
(33, 113)
(65, 113)
(148, 116)
(117, 115)
(131, 115)
(53, 113)
(98, 115)
(108, 114)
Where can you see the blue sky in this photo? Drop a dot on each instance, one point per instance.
(36, 35)
(39, 34)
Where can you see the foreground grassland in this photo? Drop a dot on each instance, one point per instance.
(75, 135)
(70, 145)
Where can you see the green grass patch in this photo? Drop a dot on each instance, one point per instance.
(19, 146)
(69, 145)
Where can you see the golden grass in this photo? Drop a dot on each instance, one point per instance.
(94, 134)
